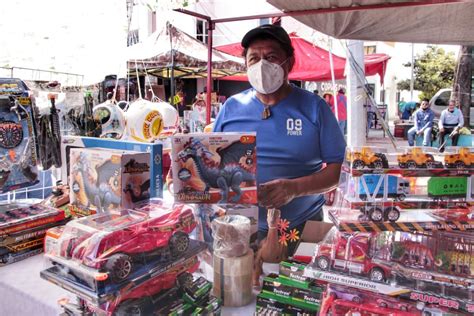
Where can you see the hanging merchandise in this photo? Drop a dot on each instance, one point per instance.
(17, 144)
(49, 134)
(111, 118)
(148, 121)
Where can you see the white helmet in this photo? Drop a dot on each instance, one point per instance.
(111, 118)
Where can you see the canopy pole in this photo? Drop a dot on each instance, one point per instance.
(333, 78)
(172, 68)
(210, 28)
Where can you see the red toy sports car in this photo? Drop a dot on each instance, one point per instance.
(113, 243)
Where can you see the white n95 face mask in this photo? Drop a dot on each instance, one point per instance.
(266, 77)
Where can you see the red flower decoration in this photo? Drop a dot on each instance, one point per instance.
(283, 239)
(283, 225)
(293, 236)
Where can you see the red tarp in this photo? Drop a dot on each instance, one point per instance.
(312, 62)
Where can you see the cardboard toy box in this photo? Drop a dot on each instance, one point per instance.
(155, 159)
(101, 179)
(214, 168)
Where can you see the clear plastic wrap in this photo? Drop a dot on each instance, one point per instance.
(231, 235)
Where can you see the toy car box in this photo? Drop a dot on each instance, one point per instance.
(214, 168)
(101, 179)
(106, 251)
(155, 159)
(287, 288)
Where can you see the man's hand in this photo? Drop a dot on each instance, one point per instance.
(276, 193)
(441, 129)
(419, 132)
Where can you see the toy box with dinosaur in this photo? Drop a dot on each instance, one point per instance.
(155, 158)
(215, 168)
(101, 179)
(18, 154)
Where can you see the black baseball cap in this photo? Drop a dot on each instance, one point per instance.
(269, 31)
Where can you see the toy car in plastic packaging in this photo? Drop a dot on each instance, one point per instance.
(112, 243)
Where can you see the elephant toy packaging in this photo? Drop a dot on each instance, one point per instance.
(215, 168)
(102, 179)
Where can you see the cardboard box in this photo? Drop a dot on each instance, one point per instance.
(155, 159)
(206, 166)
(313, 233)
(102, 180)
(271, 306)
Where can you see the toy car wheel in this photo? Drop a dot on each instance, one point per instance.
(357, 299)
(404, 308)
(179, 243)
(411, 164)
(402, 165)
(119, 267)
(378, 164)
(383, 304)
(323, 263)
(376, 214)
(377, 275)
(400, 197)
(131, 308)
(460, 165)
(392, 214)
(358, 164)
(431, 164)
(184, 280)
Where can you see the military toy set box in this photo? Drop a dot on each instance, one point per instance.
(215, 168)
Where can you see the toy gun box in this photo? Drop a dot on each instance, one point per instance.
(101, 179)
(155, 159)
(206, 168)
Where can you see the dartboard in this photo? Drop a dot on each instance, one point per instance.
(11, 134)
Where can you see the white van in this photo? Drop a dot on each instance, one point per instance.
(440, 100)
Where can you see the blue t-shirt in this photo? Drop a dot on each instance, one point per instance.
(293, 142)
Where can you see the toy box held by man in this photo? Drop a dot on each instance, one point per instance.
(215, 168)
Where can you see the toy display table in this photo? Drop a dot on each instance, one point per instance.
(24, 292)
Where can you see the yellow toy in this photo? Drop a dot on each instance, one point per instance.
(417, 158)
(464, 158)
(366, 158)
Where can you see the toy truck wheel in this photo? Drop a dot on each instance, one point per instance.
(179, 243)
(431, 164)
(411, 164)
(119, 267)
(377, 275)
(392, 214)
(376, 214)
(323, 263)
(378, 164)
(357, 299)
(184, 280)
(400, 197)
(402, 165)
(383, 304)
(358, 164)
(459, 165)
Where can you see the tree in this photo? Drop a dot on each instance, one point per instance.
(462, 82)
(433, 70)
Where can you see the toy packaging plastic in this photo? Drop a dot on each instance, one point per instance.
(215, 168)
(412, 190)
(18, 154)
(155, 158)
(105, 179)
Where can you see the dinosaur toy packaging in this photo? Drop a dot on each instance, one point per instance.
(215, 168)
(103, 179)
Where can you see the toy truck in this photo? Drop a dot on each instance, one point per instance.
(350, 253)
(373, 185)
(416, 158)
(366, 158)
(464, 158)
(440, 188)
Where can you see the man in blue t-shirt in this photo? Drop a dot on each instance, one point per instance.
(423, 119)
(296, 132)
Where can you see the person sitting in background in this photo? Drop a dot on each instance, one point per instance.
(408, 109)
(423, 118)
(450, 121)
(401, 106)
(329, 100)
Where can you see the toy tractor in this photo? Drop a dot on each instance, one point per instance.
(367, 158)
(416, 158)
(463, 159)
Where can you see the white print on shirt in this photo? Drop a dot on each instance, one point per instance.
(294, 127)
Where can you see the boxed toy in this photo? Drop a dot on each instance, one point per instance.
(215, 168)
(103, 179)
(155, 159)
(18, 154)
